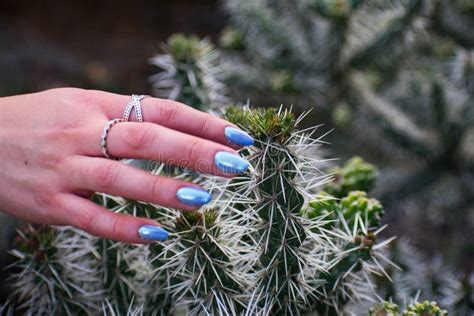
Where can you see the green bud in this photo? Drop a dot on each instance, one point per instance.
(357, 202)
(264, 124)
(325, 205)
(385, 309)
(356, 174)
(426, 308)
(282, 82)
(193, 219)
(186, 48)
(232, 39)
(341, 115)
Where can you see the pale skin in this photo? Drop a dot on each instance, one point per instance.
(51, 160)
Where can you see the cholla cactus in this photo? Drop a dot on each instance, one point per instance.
(356, 174)
(265, 246)
(355, 204)
(426, 277)
(385, 309)
(354, 222)
(199, 263)
(320, 261)
(398, 75)
(129, 275)
(191, 73)
(426, 308)
(285, 273)
(57, 272)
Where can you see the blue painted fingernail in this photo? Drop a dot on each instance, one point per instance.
(237, 136)
(230, 163)
(150, 232)
(193, 196)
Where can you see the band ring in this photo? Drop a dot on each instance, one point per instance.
(103, 140)
(134, 103)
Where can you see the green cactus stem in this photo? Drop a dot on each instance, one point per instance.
(356, 174)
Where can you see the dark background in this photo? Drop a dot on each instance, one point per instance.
(92, 44)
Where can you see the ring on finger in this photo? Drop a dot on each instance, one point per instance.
(134, 103)
(103, 139)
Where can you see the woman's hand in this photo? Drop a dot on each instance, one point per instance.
(51, 160)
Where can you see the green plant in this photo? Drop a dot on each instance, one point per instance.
(396, 76)
(415, 309)
(270, 243)
(190, 73)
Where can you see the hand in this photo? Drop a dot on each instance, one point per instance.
(51, 160)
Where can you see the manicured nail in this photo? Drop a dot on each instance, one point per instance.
(150, 232)
(230, 163)
(193, 196)
(237, 136)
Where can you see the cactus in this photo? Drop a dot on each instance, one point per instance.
(57, 271)
(190, 73)
(385, 309)
(426, 308)
(285, 270)
(395, 76)
(355, 204)
(432, 279)
(199, 267)
(356, 174)
(269, 243)
(287, 230)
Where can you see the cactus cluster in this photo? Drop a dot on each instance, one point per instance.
(395, 77)
(284, 238)
(426, 308)
(56, 271)
(198, 265)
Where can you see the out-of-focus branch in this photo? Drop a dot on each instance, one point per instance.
(392, 35)
(394, 120)
(449, 21)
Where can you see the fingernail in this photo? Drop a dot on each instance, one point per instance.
(193, 196)
(230, 163)
(237, 136)
(150, 232)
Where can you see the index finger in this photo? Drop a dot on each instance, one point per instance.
(178, 116)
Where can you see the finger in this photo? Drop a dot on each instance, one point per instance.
(151, 141)
(98, 221)
(116, 178)
(178, 116)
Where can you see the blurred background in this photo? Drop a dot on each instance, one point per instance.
(394, 79)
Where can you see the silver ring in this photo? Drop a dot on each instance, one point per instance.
(134, 103)
(103, 138)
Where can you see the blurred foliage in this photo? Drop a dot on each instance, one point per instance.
(396, 79)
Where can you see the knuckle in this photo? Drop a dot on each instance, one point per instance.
(193, 151)
(156, 187)
(117, 230)
(45, 196)
(205, 123)
(167, 110)
(106, 177)
(52, 161)
(85, 220)
(140, 137)
(67, 133)
(86, 97)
